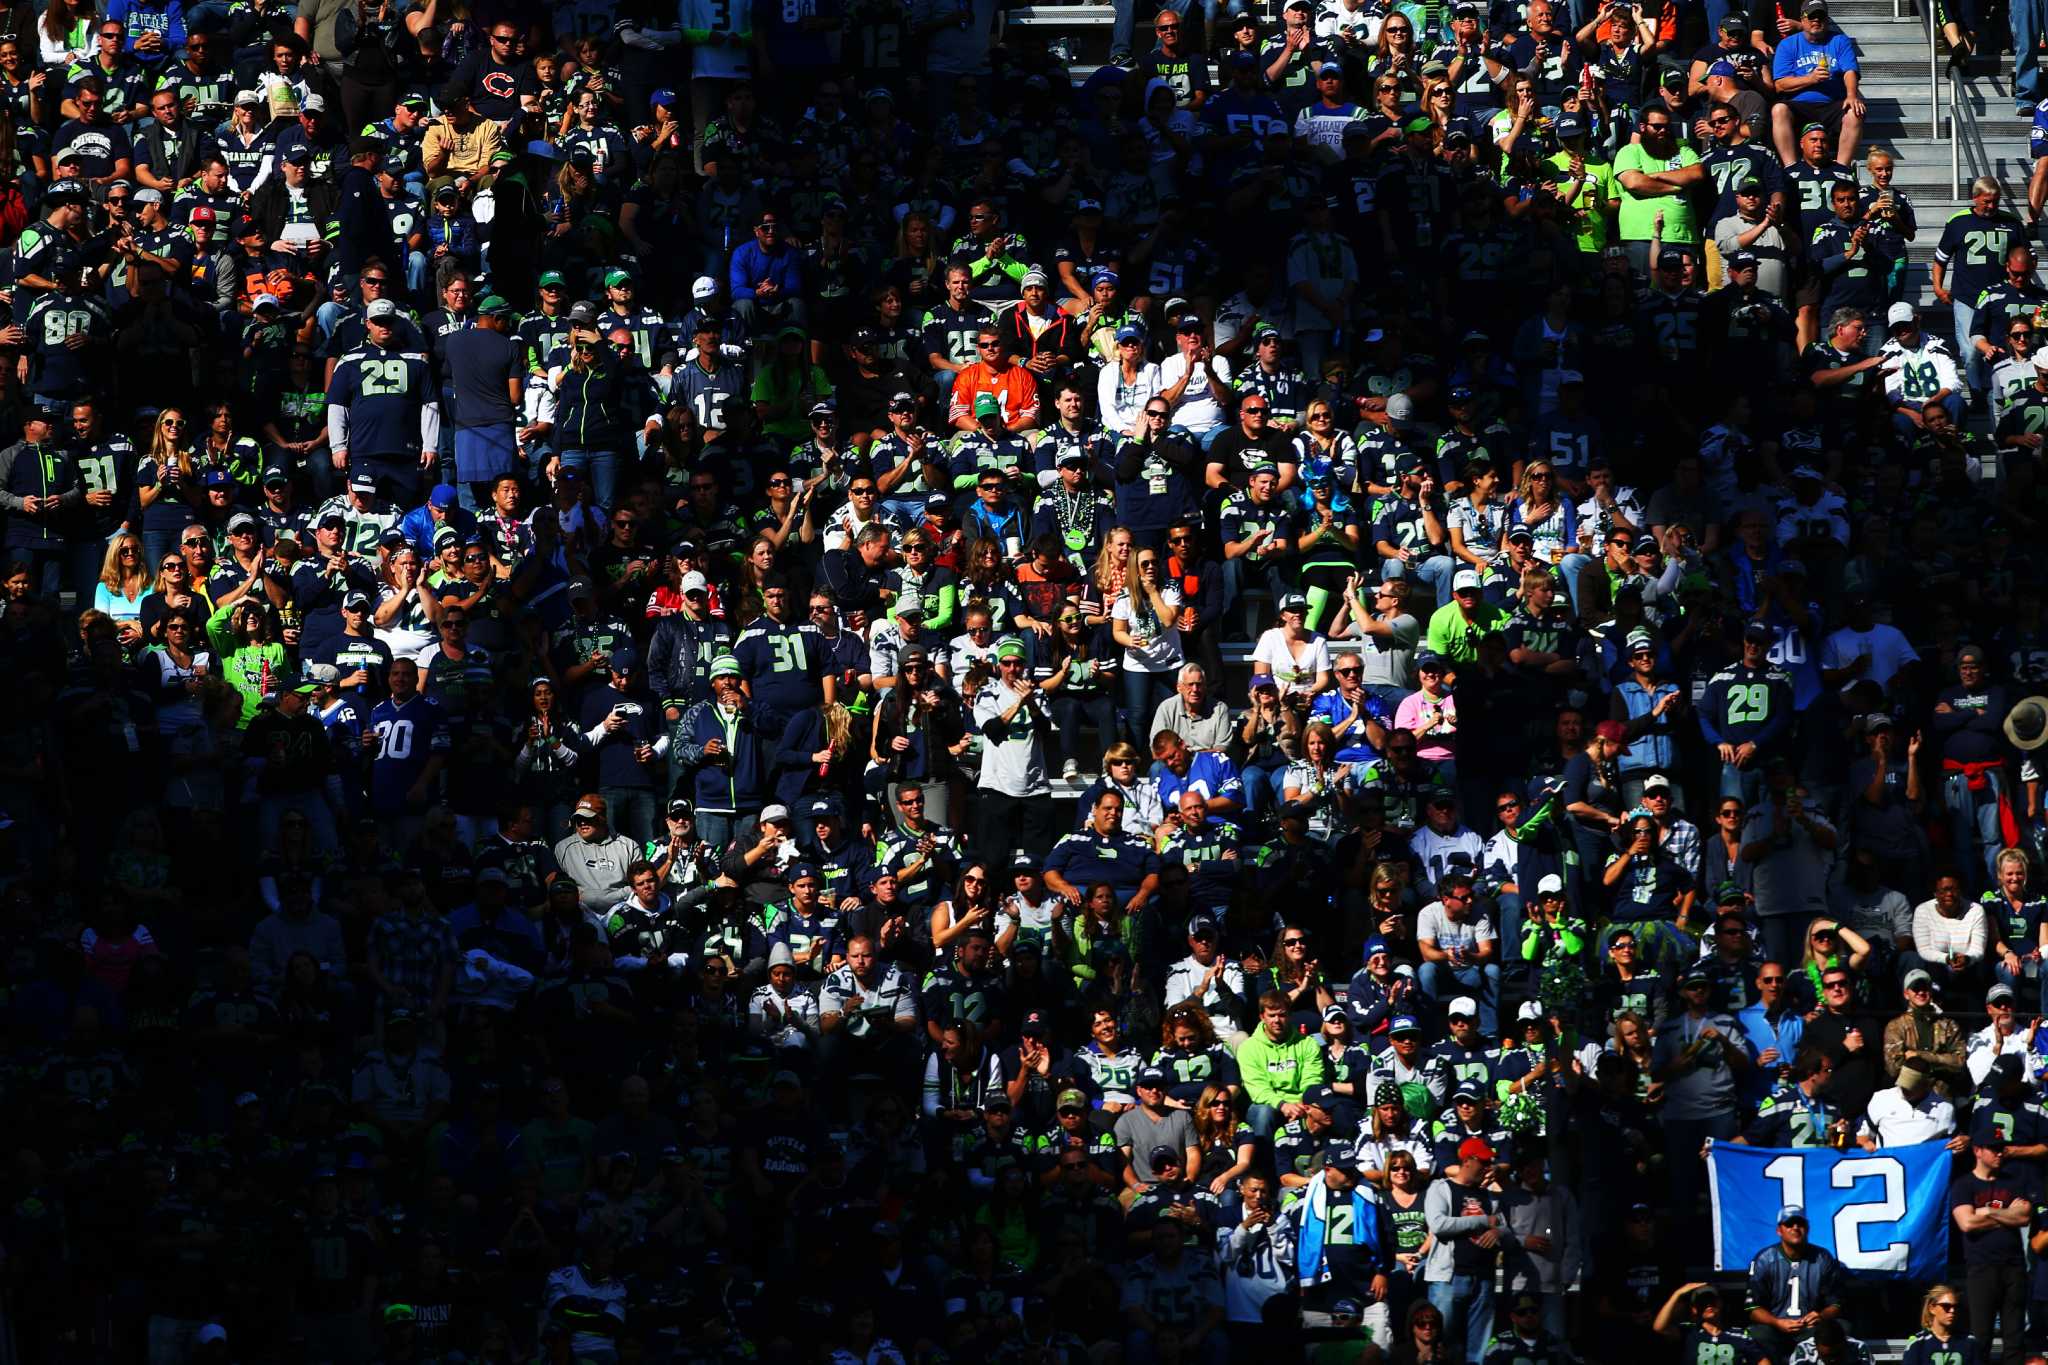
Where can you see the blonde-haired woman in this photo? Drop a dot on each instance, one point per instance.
(124, 582)
(1941, 1339)
(816, 758)
(1112, 569)
(1540, 504)
(166, 485)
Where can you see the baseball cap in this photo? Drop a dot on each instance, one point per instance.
(1656, 782)
(1403, 1023)
(1070, 1098)
(985, 405)
(1163, 1155)
(1531, 1009)
(1670, 258)
(1463, 1007)
(1899, 313)
(774, 813)
(1321, 1096)
(1475, 1149)
(362, 483)
(2000, 991)
(1917, 977)
(493, 305)
(1792, 1213)
(1464, 580)
(1152, 1075)
(381, 308)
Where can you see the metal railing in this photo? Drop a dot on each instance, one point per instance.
(1965, 137)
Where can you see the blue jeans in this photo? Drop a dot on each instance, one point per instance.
(1973, 819)
(1441, 982)
(1969, 358)
(1142, 693)
(1509, 904)
(600, 467)
(1437, 571)
(1262, 1119)
(720, 828)
(1903, 427)
(2026, 40)
(1264, 789)
(1571, 567)
(1744, 784)
(635, 811)
(1465, 1302)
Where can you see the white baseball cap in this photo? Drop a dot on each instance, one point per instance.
(1464, 1005)
(1465, 578)
(1900, 312)
(694, 582)
(1551, 885)
(704, 288)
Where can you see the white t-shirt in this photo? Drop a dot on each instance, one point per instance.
(1158, 650)
(1200, 408)
(1887, 649)
(1294, 673)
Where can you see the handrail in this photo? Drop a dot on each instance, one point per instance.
(1966, 137)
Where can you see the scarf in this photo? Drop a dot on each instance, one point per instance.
(1313, 1234)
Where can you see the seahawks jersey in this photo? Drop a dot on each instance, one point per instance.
(364, 526)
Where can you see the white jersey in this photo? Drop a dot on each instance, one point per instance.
(863, 1005)
(1257, 1265)
(1336, 20)
(1917, 375)
(2010, 378)
(364, 527)
(784, 1020)
(607, 1296)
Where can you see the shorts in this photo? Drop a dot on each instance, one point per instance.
(1827, 114)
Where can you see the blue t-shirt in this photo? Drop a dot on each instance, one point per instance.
(1798, 55)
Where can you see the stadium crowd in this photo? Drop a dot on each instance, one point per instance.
(802, 683)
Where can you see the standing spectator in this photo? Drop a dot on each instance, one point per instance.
(1993, 1210)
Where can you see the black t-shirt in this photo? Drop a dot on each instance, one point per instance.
(1467, 1256)
(1993, 1246)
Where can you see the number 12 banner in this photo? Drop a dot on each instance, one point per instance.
(1880, 1213)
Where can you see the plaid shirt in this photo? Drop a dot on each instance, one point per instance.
(412, 949)
(1682, 842)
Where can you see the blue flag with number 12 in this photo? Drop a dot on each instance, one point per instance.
(1881, 1213)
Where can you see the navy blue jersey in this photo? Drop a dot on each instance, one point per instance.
(1788, 1288)
(407, 736)
(55, 368)
(782, 664)
(383, 392)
